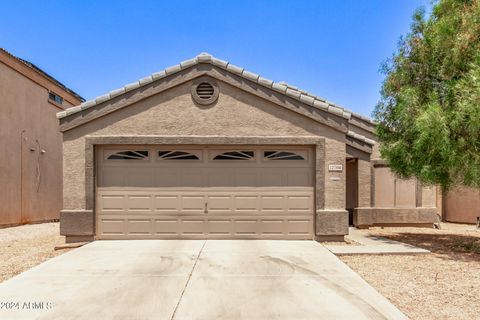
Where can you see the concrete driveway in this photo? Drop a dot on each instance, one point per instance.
(193, 279)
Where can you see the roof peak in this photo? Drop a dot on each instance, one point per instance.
(205, 57)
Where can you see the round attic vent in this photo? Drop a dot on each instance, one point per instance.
(205, 92)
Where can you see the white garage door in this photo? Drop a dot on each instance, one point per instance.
(204, 192)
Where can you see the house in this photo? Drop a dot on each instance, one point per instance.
(30, 141)
(207, 149)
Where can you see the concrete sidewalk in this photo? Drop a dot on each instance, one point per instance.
(368, 244)
(189, 279)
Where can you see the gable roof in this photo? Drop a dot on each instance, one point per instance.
(281, 87)
(43, 74)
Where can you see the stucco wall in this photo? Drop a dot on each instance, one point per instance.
(384, 188)
(396, 201)
(364, 183)
(462, 204)
(334, 180)
(173, 113)
(30, 181)
(394, 192)
(405, 193)
(390, 191)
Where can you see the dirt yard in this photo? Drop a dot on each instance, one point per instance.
(26, 246)
(442, 285)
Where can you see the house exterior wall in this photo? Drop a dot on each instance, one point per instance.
(30, 179)
(462, 204)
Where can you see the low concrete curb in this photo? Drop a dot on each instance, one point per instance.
(373, 245)
(377, 250)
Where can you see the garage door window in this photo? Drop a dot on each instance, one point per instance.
(282, 155)
(235, 155)
(129, 155)
(178, 155)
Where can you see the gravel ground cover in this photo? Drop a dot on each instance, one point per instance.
(442, 285)
(26, 246)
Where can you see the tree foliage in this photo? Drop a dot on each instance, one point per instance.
(428, 118)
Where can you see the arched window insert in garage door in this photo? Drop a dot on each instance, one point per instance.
(129, 155)
(283, 155)
(235, 155)
(178, 155)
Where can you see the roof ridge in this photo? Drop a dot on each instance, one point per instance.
(43, 73)
(204, 57)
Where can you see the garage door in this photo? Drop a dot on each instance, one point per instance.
(204, 192)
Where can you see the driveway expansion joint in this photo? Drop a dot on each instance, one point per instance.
(188, 280)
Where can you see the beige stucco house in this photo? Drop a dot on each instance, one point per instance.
(30, 141)
(207, 149)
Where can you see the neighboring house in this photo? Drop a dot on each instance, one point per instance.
(462, 205)
(206, 149)
(30, 141)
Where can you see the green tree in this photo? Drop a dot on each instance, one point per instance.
(428, 118)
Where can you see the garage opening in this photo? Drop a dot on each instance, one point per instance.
(261, 192)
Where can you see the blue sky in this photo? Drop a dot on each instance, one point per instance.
(332, 48)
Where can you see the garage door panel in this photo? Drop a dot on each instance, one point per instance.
(192, 203)
(217, 226)
(245, 178)
(245, 226)
(256, 198)
(166, 226)
(301, 203)
(193, 226)
(191, 177)
(111, 202)
(164, 178)
(219, 177)
(139, 226)
(246, 203)
(112, 226)
(297, 178)
(111, 177)
(272, 226)
(167, 203)
(139, 178)
(273, 203)
(272, 178)
(128, 177)
(219, 203)
(139, 202)
(299, 226)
